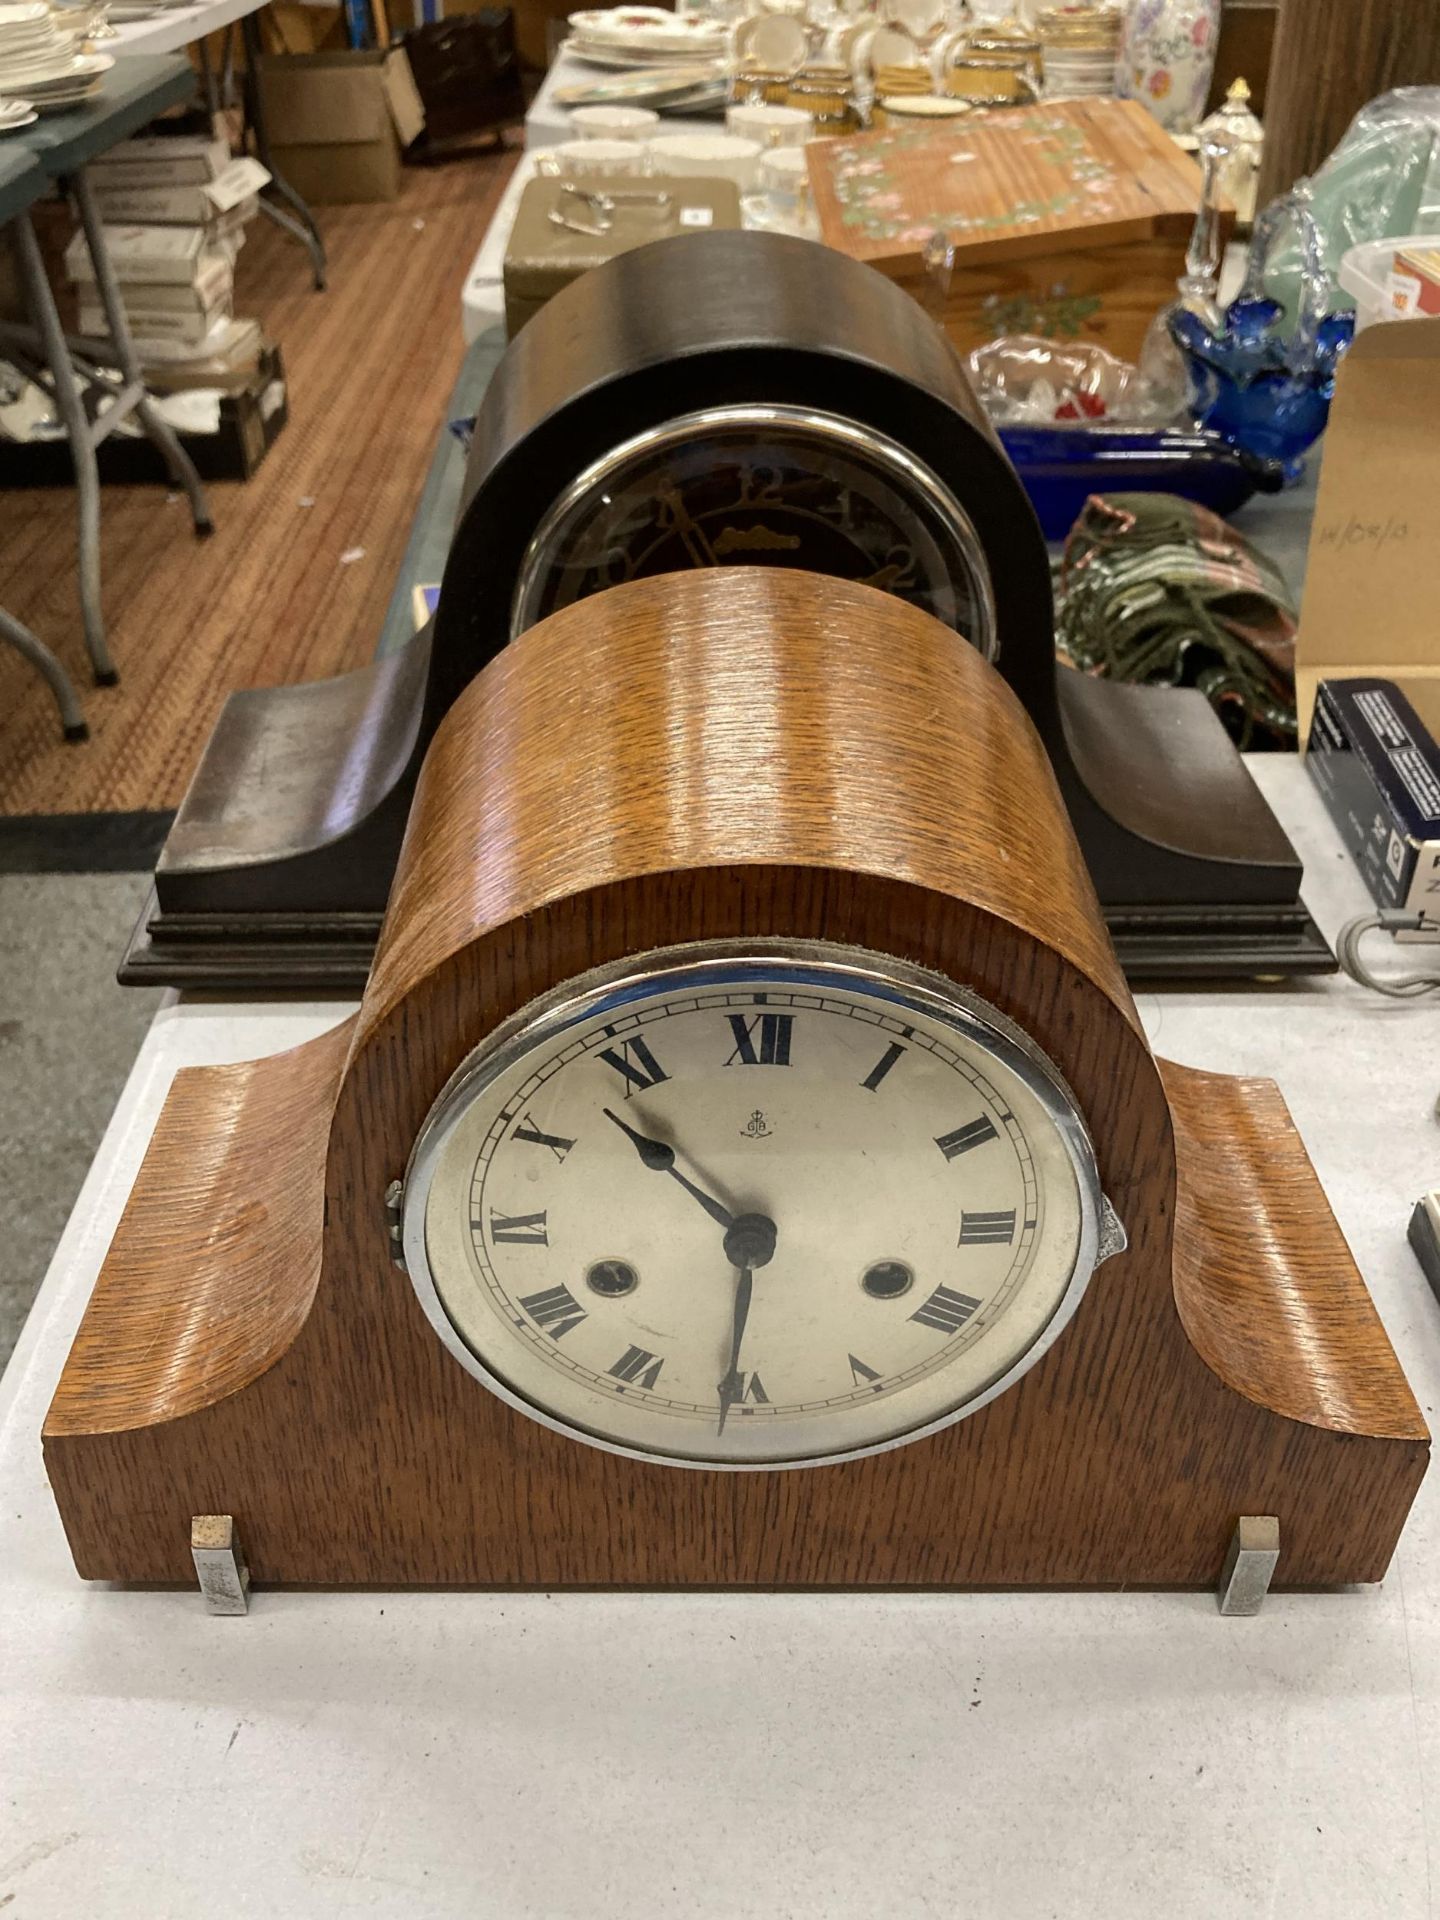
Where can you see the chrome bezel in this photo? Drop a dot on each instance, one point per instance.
(904, 470)
(706, 965)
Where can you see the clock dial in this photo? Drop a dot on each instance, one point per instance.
(752, 1210)
(761, 486)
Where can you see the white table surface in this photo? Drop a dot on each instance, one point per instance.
(482, 297)
(589, 1755)
(178, 27)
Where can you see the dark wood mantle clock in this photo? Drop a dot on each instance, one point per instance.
(746, 1168)
(731, 398)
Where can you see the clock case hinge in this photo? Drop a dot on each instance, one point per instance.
(394, 1222)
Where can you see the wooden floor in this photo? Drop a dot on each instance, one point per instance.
(270, 598)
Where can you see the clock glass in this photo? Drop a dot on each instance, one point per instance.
(762, 486)
(752, 1208)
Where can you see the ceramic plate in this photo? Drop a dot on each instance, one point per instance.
(637, 88)
(65, 102)
(892, 48)
(25, 13)
(649, 30)
(632, 61)
(776, 42)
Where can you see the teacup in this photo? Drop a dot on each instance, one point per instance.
(613, 123)
(583, 159)
(769, 126)
(783, 176)
(723, 156)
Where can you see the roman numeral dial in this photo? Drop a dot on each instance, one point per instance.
(754, 1217)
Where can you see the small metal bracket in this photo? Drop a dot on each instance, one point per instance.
(395, 1222)
(219, 1563)
(1113, 1237)
(1250, 1563)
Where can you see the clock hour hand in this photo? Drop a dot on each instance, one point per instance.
(659, 1156)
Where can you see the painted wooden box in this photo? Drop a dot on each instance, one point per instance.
(1069, 219)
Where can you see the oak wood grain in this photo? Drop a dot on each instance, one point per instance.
(720, 755)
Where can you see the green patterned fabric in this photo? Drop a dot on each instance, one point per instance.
(1156, 589)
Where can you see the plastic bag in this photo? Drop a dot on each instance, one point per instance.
(1383, 180)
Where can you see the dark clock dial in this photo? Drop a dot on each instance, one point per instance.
(761, 486)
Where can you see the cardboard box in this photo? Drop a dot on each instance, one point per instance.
(213, 282)
(338, 121)
(160, 163)
(247, 426)
(1378, 769)
(170, 256)
(154, 324)
(1372, 586)
(541, 257)
(190, 205)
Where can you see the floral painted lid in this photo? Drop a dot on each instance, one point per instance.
(998, 185)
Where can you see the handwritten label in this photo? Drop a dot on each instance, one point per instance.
(1370, 536)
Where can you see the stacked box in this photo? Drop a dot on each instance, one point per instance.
(175, 208)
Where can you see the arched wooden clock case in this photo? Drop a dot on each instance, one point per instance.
(775, 757)
(278, 866)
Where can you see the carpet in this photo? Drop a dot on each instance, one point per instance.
(295, 582)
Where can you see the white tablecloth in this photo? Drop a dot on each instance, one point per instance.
(579, 1756)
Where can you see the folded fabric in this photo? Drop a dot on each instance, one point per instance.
(1154, 588)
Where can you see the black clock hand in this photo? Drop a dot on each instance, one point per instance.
(660, 1158)
(729, 1386)
(749, 1243)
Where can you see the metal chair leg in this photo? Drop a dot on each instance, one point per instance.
(41, 302)
(182, 468)
(72, 717)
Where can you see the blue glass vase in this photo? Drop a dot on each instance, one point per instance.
(1260, 387)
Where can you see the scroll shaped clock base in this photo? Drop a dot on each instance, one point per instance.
(1262, 1383)
(252, 1349)
(278, 866)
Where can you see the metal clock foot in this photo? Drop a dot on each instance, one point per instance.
(219, 1563)
(1250, 1563)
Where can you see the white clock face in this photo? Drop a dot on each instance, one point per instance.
(752, 1209)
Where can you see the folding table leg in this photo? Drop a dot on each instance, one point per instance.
(302, 224)
(182, 468)
(72, 717)
(41, 302)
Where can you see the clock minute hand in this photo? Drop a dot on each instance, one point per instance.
(749, 1243)
(659, 1156)
(728, 1394)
